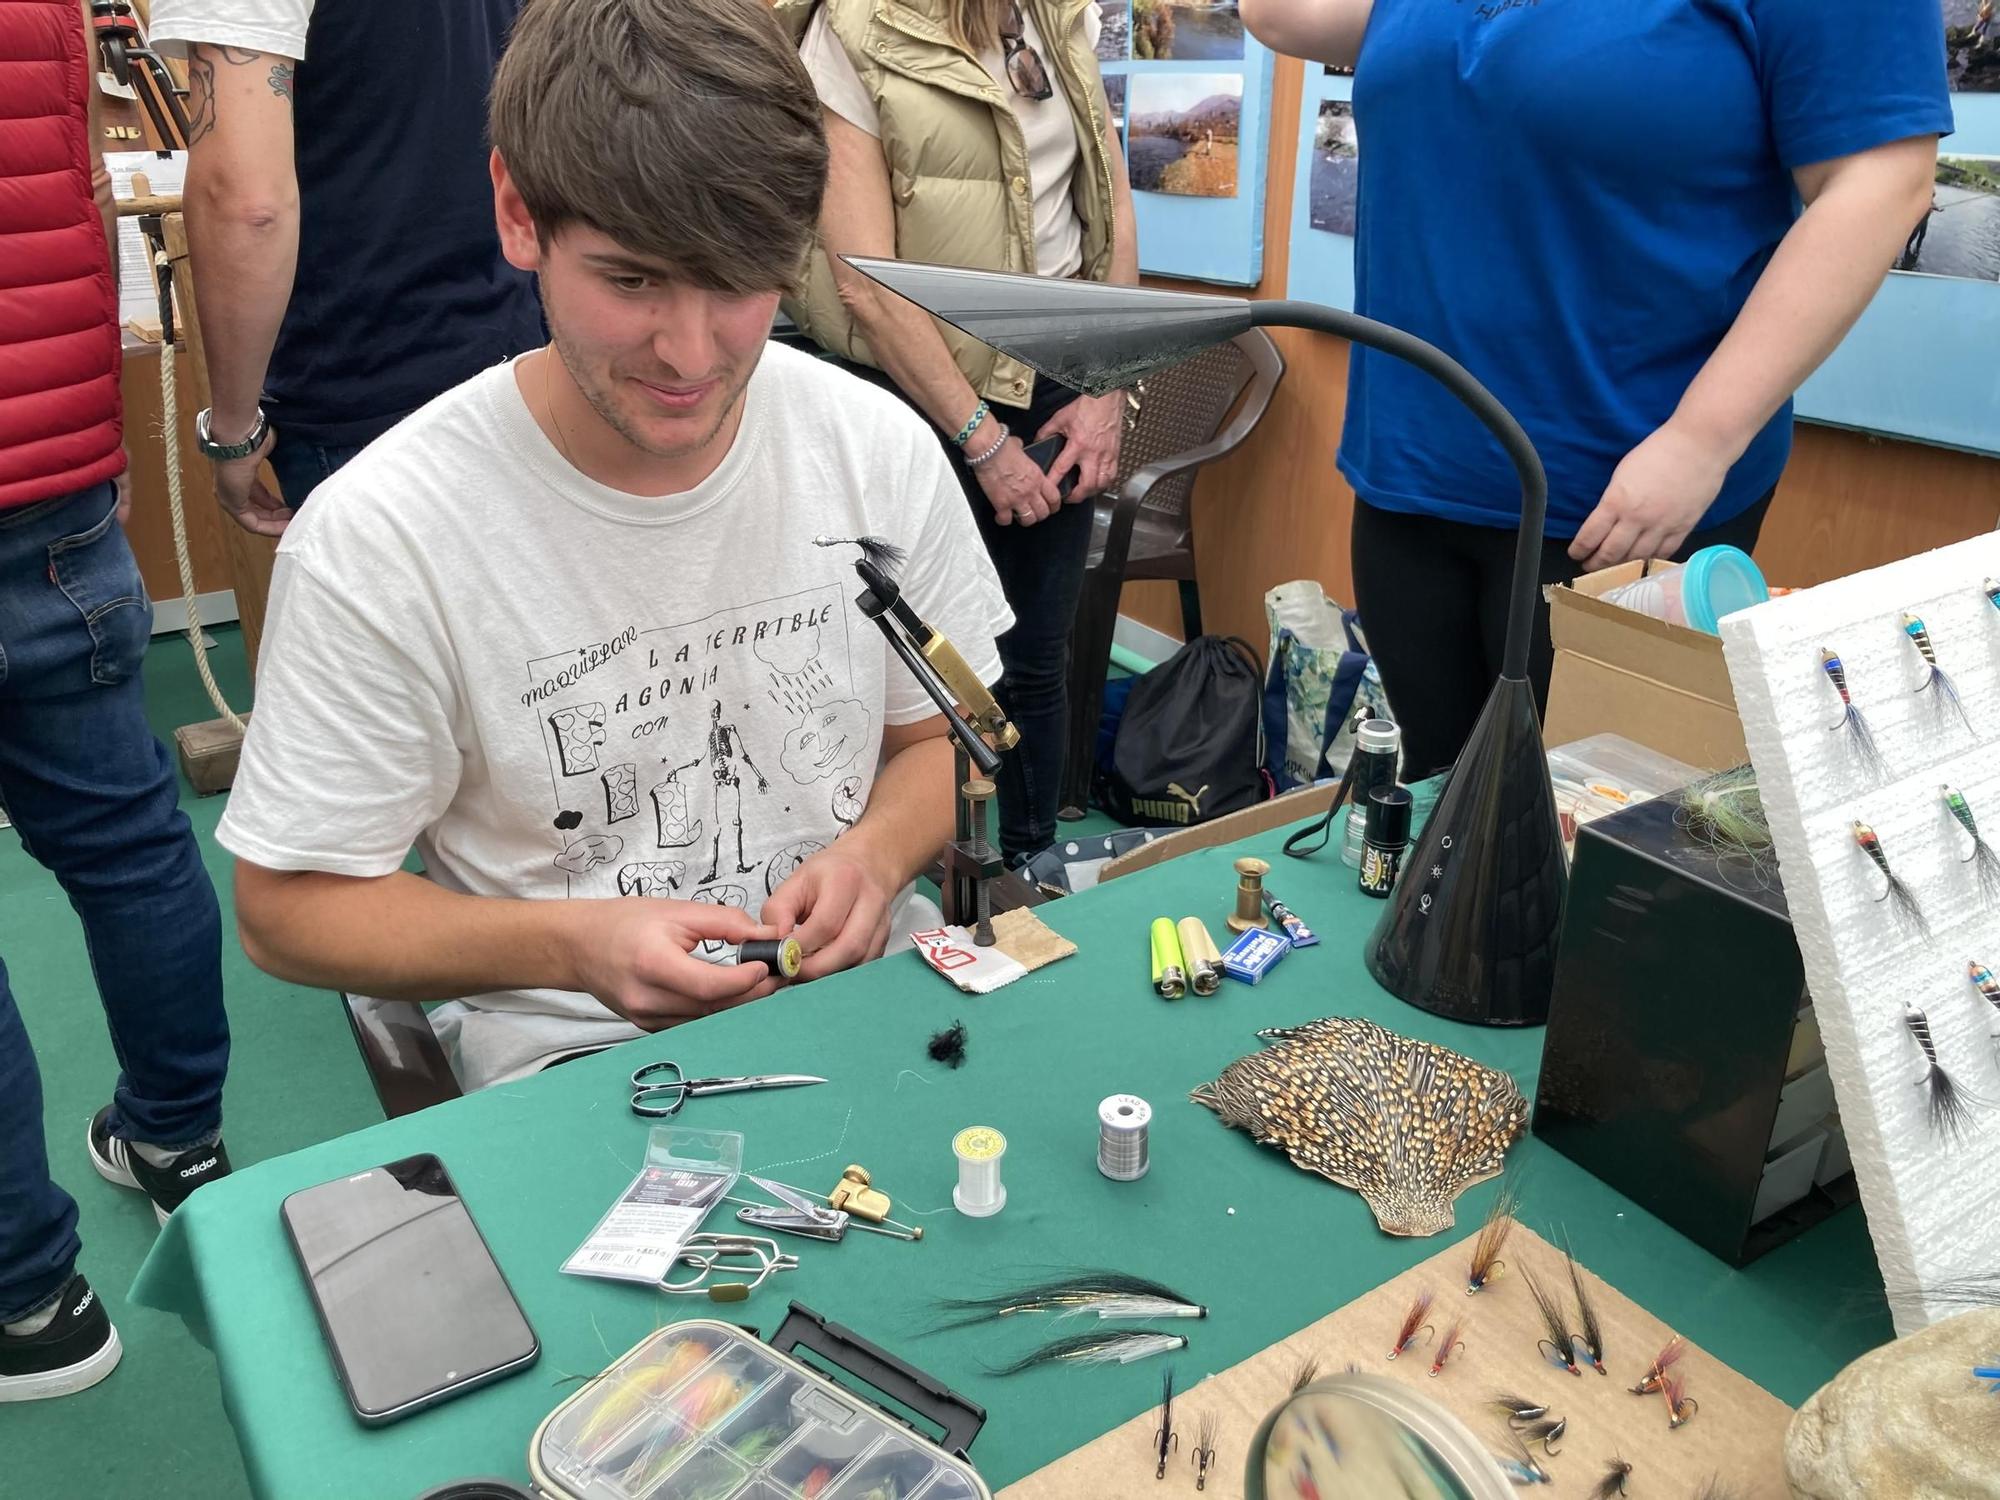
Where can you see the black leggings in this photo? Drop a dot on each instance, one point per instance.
(1041, 572)
(1433, 601)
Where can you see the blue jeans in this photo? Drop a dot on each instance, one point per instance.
(302, 467)
(96, 800)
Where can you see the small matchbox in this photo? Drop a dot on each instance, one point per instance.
(1253, 955)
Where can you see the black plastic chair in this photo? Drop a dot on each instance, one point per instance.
(405, 1060)
(1144, 528)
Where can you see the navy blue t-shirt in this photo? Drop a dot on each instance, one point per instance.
(1574, 198)
(401, 291)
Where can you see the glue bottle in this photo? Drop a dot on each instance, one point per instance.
(1388, 837)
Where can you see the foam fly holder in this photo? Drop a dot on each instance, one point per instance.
(700, 1410)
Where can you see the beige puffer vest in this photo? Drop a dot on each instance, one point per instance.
(958, 163)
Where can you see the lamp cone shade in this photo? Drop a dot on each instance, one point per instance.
(1475, 940)
(1471, 929)
(1087, 335)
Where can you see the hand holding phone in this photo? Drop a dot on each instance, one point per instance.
(1045, 453)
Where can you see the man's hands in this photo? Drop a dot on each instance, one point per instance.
(837, 906)
(635, 955)
(1657, 494)
(1095, 426)
(240, 491)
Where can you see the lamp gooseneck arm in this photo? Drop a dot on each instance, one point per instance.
(1455, 378)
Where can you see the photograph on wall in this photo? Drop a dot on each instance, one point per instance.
(1182, 134)
(1114, 39)
(1186, 30)
(1336, 168)
(1333, 72)
(1972, 45)
(1114, 95)
(1960, 235)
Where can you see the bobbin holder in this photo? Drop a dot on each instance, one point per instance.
(958, 1419)
(967, 860)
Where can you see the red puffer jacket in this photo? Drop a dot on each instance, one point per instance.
(60, 423)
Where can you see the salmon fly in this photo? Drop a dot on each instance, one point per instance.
(1936, 684)
(1612, 1484)
(1981, 856)
(1486, 1261)
(1556, 1347)
(1519, 1409)
(1413, 1324)
(1590, 1341)
(1681, 1407)
(1983, 981)
(1991, 589)
(1665, 1361)
(1165, 1440)
(1548, 1432)
(1989, 1371)
(1860, 739)
(1948, 1110)
(1908, 913)
(1204, 1448)
(1446, 1345)
(1519, 1464)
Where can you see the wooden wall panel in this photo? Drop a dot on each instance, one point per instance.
(1277, 509)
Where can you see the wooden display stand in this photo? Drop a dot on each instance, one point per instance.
(1738, 1434)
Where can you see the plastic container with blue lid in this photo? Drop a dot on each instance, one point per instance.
(1715, 582)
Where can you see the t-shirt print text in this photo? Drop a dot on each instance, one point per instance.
(1492, 10)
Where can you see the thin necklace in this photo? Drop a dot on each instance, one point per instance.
(548, 400)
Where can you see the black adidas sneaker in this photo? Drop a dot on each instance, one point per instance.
(77, 1349)
(167, 1186)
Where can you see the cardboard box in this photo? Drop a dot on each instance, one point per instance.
(1622, 672)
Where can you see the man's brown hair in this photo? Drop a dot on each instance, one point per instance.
(686, 130)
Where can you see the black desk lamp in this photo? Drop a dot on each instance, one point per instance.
(1471, 930)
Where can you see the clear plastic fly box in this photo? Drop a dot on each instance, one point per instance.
(702, 1410)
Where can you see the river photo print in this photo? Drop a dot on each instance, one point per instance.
(1960, 235)
(1182, 131)
(1186, 30)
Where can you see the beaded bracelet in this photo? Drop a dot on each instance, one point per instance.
(979, 414)
(977, 460)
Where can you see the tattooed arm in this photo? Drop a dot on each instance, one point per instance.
(243, 234)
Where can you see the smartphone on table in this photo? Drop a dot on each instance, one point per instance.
(414, 1309)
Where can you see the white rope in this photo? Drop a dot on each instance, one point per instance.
(170, 414)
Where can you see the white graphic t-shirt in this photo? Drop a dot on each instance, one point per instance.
(551, 688)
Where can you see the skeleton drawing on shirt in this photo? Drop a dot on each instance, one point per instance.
(725, 748)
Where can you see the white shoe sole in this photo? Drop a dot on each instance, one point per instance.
(115, 1172)
(67, 1381)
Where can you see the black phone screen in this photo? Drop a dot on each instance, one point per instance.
(407, 1293)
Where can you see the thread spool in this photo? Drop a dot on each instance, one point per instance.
(782, 956)
(979, 1194)
(1123, 1151)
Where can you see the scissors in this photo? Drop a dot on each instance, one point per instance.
(658, 1101)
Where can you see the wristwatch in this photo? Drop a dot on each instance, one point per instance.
(212, 449)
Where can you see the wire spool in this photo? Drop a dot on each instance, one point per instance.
(1123, 1151)
(979, 1194)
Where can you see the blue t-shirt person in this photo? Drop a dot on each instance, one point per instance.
(1575, 198)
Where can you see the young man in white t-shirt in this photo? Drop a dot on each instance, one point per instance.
(564, 630)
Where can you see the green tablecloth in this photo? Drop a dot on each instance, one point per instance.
(1269, 1248)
